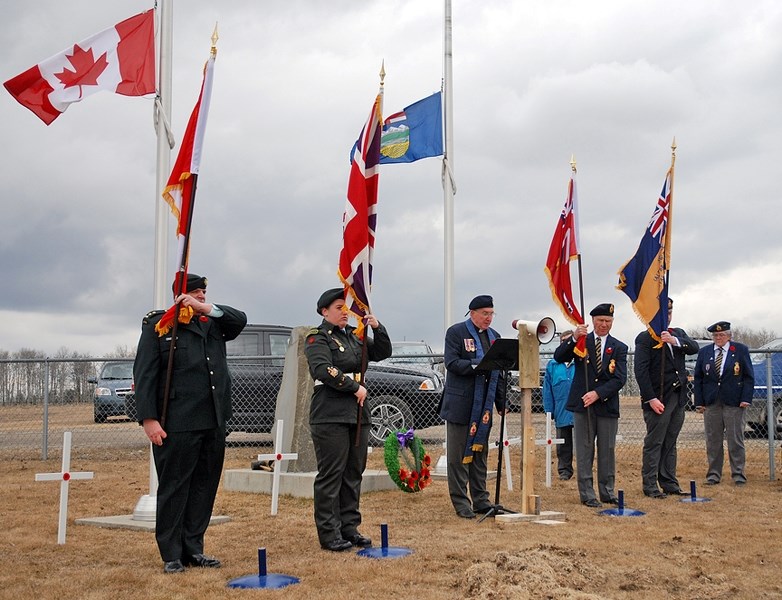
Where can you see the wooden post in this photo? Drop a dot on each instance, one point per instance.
(529, 377)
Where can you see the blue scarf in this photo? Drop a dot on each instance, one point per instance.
(482, 406)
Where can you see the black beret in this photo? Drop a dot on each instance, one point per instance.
(194, 282)
(602, 310)
(327, 297)
(718, 327)
(481, 302)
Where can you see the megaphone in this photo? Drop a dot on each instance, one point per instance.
(545, 329)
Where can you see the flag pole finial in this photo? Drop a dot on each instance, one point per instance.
(215, 37)
(573, 162)
(673, 150)
(382, 72)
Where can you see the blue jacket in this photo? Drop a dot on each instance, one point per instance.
(460, 377)
(556, 387)
(736, 383)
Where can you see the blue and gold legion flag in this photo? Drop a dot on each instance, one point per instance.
(644, 278)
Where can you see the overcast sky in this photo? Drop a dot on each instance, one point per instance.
(534, 83)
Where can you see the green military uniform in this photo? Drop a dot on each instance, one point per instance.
(334, 359)
(190, 461)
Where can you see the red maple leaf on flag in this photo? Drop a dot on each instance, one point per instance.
(86, 68)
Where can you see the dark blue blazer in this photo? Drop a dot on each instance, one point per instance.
(607, 382)
(461, 377)
(736, 383)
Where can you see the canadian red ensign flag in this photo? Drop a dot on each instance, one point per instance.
(120, 59)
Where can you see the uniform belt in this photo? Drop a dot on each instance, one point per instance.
(354, 376)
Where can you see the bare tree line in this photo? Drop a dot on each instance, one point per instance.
(23, 375)
(753, 338)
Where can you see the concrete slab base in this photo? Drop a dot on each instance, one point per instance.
(545, 515)
(298, 485)
(127, 522)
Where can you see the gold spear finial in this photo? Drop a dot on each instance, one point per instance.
(573, 162)
(382, 71)
(673, 145)
(215, 37)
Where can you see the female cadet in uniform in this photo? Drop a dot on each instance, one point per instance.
(334, 355)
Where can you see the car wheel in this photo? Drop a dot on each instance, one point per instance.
(387, 414)
(98, 415)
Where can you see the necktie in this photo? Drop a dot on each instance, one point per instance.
(718, 362)
(598, 354)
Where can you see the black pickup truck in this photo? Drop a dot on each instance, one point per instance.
(399, 396)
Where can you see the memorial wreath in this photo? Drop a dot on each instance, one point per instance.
(414, 475)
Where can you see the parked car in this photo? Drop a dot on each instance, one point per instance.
(111, 387)
(757, 412)
(415, 353)
(400, 396)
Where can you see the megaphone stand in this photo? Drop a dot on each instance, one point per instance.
(502, 356)
(531, 335)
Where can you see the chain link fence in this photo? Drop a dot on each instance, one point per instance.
(42, 398)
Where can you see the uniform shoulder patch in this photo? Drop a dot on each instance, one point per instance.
(152, 316)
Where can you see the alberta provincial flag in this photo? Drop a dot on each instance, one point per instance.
(120, 59)
(644, 278)
(360, 217)
(413, 133)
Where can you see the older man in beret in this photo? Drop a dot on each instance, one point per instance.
(468, 402)
(333, 352)
(601, 371)
(188, 435)
(723, 382)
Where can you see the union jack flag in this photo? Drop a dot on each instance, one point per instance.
(644, 278)
(360, 217)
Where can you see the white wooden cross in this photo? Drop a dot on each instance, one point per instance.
(277, 457)
(64, 476)
(507, 443)
(549, 442)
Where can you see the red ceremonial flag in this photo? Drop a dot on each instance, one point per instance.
(120, 59)
(563, 249)
(180, 188)
(360, 218)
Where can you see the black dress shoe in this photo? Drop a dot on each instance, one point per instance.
(656, 494)
(592, 503)
(612, 500)
(359, 540)
(565, 476)
(337, 545)
(483, 510)
(465, 513)
(678, 492)
(173, 566)
(201, 560)
(711, 482)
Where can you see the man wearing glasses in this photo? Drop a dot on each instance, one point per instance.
(723, 384)
(468, 402)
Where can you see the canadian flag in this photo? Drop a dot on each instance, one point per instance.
(120, 59)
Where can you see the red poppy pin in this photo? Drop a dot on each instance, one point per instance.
(203, 318)
(733, 348)
(311, 339)
(609, 350)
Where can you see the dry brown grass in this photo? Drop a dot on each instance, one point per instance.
(727, 548)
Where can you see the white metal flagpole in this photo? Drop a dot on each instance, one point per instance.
(441, 468)
(146, 506)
